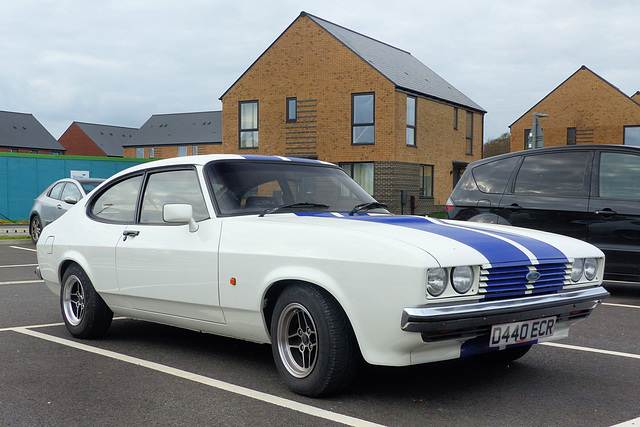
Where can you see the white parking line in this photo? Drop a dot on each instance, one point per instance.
(21, 282)
(242, 391)
(592, 350)
(23, 249)
(18, 265)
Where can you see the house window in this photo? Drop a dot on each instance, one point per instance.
(362, 118)
(362, 173)
(426, 180)
(182, 151)
(632, 135)
(152, 153)
(249, 124)
(292, 110)
(411, 121)
(571, 136)
(455, 118)
(469, 149)
(139, 152)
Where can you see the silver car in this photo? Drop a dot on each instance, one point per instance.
(56, 200)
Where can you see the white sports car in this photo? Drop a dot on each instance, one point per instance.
(294, 253)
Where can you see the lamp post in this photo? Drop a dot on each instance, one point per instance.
(536, 136)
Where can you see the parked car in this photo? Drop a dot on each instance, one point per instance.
(56, 200)
(588, 192)
(294, 253)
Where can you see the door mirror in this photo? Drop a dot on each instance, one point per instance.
(180, 213)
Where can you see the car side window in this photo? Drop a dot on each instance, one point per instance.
(118, 203)
(56, 191)
(554, 174)
(619, 176)
(169, 187)
(71, 190)
(493, 177)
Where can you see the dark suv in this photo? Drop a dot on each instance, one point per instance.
(591, 192)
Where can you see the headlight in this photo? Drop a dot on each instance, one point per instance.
(590, 268)
(436, 281)
(577, 269)
(462, 279)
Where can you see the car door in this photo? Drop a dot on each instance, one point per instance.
(551, 193)
(614, 222)
(166, 268)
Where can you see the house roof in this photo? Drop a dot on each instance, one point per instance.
(21, 130)
(583, 68)
(110, 139)
(397, 65)
(180, 128)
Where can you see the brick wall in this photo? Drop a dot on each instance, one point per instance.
(78, 143)
(585, 101)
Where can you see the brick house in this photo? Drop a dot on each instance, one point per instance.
(181, 134)
(323, 91)
(584, 109)
(23, 133)
(88, 139)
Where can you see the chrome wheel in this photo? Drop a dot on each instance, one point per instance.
(35, 228)
(297, 340)
(73, 300)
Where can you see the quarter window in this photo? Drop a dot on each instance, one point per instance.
(411, 121)
(363, 118)
(118, 203)
(619, 176)
(249, 124)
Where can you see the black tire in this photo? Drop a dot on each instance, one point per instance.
(85, 313)
(313, 345)
(35, 228)
(507, 355)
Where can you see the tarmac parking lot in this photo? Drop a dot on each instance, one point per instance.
(147, 374)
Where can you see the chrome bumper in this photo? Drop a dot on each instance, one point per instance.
(471, 319)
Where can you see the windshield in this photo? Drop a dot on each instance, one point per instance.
(251, 187)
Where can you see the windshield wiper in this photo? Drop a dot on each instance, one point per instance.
(299, 205)
(367, 206)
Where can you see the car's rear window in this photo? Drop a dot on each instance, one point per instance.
(493, 177)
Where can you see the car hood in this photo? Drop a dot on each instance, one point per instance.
(451, 241)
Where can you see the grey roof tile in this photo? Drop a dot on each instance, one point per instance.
(21, 130)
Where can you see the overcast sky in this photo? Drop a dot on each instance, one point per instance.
(119, 62)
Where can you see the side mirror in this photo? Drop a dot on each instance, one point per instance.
(180, 214)
(70, 200)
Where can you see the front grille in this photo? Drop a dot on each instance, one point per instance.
(497, 283)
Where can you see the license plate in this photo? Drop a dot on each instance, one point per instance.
(520, 332)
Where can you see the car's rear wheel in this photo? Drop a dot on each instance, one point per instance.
(35, 228)
(313, 345)
(85, 313)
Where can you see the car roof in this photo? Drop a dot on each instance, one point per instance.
(534, 151)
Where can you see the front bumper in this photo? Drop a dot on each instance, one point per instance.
(474, 319)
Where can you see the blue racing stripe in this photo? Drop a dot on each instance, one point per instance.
(488, 243)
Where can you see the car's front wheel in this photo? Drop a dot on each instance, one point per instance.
(313, 345)
(35, 228)
(85, 313)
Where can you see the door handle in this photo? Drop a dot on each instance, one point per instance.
(128, 233)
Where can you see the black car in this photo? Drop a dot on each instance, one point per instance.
(590, 192)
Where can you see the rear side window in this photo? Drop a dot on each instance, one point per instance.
(554, 174)
(620, 176)
(493, 177)
(118, 203)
